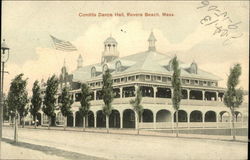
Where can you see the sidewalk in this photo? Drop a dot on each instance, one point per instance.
(144, 132)
(12, 151)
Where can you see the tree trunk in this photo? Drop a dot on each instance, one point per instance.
(83, 124)
(233, 128)
(137, 122)
(177, 130)
(35, 120)
(15, 129)
(65, 122)
(107, 123)
(23, 122)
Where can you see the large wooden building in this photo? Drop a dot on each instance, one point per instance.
(151, 71)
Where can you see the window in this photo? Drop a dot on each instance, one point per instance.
(191, 81)
(204, 83)
(97, 83)
(213, 84)
(164, 79)
(131, 78)
(158, 78)
(137, 77)
(124, 79)
(196, 82)
(147, 77)
(169, 79)
(116, 80)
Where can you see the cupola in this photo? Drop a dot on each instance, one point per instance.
(110, 52)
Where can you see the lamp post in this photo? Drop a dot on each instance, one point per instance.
(5, 53)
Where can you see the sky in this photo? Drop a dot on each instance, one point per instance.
(26, 27)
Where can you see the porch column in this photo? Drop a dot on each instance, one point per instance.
(217, 119)
(121, 120)
(136, 87)
(94, 94)
(217, 96)
(41, 119)
(87, 121)
(74, 119)
(172, 91)
(155, 90)
(203, 95)
(95, 119)
(10, 120)
(188, 94)
(154, 114)
(203, 120)
(121, 89)
(188, 120)
(173, 121)
(74, 97)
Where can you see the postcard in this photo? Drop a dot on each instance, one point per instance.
(137, 80)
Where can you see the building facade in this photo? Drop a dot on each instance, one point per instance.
(151, 71)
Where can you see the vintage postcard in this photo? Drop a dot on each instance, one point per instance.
(137, 80)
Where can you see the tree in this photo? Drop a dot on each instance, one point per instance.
(17, 99)
(233, 97)
(176, 84)
(138, 108)
(66, 102)
(85, 103)
(107, 95)
(49, 98)
(36, 100)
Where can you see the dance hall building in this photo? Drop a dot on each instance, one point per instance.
(151, 71)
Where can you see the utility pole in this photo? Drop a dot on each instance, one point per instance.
(4, 48)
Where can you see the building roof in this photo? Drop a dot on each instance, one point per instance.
(148, 61)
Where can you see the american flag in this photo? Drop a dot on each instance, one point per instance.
(63, 45)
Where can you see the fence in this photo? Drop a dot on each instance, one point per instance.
(169, 125)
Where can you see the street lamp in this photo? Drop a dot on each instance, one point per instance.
(5, 53)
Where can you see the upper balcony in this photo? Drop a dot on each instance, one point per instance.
(154, 79)
(162, 101)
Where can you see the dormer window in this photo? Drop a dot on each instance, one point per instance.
(93, 72)
(118, 66)
(105, 68)
(193, 68)
(170, 68)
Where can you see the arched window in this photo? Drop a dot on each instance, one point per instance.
(193, 68)
(93, 72)
(118, 66)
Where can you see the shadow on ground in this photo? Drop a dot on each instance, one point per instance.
(53, 151)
